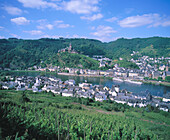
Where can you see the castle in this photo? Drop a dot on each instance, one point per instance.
(68, 49)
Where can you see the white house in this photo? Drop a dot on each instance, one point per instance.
(113, 92)
(166, 100)
(5, 87)
(163, 109)
(67, 93)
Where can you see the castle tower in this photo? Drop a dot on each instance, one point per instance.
(167, 67)
(70, 47)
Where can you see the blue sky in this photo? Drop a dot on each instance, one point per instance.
(105, 20)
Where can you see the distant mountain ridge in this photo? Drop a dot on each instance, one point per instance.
(21, 54)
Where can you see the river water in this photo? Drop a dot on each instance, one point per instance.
(143, 89)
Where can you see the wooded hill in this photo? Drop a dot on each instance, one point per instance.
(21, 54)
(66, 59)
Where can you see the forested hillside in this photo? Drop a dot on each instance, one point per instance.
(21, 54)
(70, 60)
(153, 47)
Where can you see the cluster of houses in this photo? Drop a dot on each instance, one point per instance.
(121, 72)
(69, 88)
(148, 67)
(103, 61)
(153, 67)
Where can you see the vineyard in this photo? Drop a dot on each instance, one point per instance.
(45, 116)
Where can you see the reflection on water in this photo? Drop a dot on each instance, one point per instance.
(156, 90)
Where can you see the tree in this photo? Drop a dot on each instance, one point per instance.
(78, 72)
(159, 78)
(167, 78)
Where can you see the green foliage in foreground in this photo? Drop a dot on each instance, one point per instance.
(28, 115)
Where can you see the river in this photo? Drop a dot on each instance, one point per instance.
(156, 90)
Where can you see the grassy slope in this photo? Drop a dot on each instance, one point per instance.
(157, 123)
(66, 59)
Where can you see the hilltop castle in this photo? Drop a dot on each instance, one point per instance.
(68, 49)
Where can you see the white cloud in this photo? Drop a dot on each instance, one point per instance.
(162, 22)
(49, 26)
(136, 21)
(13, 10)
(63, 26)
(93, 28)
(14, 35)
(34, 32)
(40, 27)
(102, 31)
(73, 6)
(92, 18)
(1, 27)
(58, 21)
(58, 24)
(104, 38)
(41, 20)
(50, 36)
(166, 23)
(67, 36)
(39, 4)
(152, 20)
(55, 0)
(75, 36)
(2, 37)
(81, 6)
(112, 19)
(20, 20)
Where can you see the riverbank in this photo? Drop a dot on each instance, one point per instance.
(62, 73)
(167, 84)
(157, 83)
(85, 75)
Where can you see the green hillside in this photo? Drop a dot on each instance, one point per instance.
(21, 54)
(28, 115)
(124, 47)
(66, 59)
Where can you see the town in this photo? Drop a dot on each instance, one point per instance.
(149, 69)
(69, 88)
